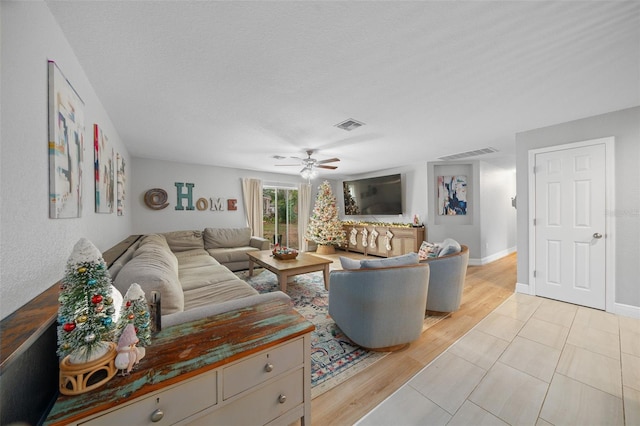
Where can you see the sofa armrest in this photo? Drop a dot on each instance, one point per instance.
(218, 308)
(259, 243)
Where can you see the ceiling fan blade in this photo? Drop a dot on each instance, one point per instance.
(298, 158)
(330, 160)
(327, 167)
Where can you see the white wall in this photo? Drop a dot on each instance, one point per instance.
(497, 215)
(210, 182)
(624, 125)
(33, 248)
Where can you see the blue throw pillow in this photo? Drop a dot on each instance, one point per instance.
(449, 246)
(348, 263)
(405, 259)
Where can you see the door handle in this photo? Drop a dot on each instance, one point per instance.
(597, 236)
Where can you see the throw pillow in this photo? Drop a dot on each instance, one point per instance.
(428, 250)
(348, 263)
(405, 259)
(449, 246)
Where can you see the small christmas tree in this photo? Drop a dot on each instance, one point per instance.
(325, 229)
(135, 310)
(85, 314)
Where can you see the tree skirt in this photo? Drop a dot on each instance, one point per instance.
(334, 358)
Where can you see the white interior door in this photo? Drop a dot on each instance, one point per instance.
(570, 223)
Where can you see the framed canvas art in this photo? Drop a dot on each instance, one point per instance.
(66, 146)
(121, 179)
(452, 195)
(104, 169)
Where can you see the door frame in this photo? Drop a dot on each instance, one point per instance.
(609, 144)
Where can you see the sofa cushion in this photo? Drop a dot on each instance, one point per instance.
(405, 259)
(228, 255)
(449, 246)
(187, 260)
(223, 291)
(122, 260)
(226, 237)
(155, 268)
(180, 241)
(153, 239)
(204, 276)
(348, 263)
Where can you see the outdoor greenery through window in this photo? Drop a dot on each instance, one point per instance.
(280, 218)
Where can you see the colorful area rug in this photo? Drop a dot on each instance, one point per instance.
(334, 358)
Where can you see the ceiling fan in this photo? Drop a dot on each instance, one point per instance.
(310, 164)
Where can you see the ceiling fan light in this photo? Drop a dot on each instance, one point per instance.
(308, 173)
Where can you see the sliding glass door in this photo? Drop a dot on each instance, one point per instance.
(280, 218)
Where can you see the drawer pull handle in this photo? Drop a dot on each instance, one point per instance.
(268, 368)
(157, 415)
(282, 399)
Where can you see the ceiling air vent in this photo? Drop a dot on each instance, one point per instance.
(349, 124)
(468, 154)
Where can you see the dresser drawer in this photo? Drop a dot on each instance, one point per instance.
(262, 405)
(175, 404)
(256, 369)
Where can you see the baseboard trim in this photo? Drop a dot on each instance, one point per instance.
(626, 310)
(523, 288)
(492, 258)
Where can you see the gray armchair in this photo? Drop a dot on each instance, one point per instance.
(446, 280)
(381, 308)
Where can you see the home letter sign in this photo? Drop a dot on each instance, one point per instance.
(188, 195)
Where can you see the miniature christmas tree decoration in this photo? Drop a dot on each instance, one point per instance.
(325, 229)
(135, 310)
(85, 321)
(85, 314)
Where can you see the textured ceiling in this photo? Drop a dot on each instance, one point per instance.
(234, 83)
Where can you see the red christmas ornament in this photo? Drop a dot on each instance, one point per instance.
(69, 327)
(131, 316)
(96, 299)
(128, 303)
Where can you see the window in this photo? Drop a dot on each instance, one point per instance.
(280, 217)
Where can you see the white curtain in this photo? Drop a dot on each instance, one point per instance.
(252, 195)
(304, 208)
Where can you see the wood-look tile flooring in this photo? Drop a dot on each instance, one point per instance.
(528, 360)
(532, 361)
(486, 287)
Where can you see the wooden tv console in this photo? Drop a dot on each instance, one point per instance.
(248, 366)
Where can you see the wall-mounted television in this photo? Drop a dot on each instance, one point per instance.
(380, 195)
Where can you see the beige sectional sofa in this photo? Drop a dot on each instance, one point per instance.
(188, 269)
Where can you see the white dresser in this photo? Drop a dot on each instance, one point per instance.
(247, 367)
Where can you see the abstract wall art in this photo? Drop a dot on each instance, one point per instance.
(452, 195)
(66, 146)
(121, 179)
(104, 169)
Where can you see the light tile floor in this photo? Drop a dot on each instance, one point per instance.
(532, 361)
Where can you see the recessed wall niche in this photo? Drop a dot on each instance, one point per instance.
(453, 170)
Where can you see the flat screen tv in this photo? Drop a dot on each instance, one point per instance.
(373, 196)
